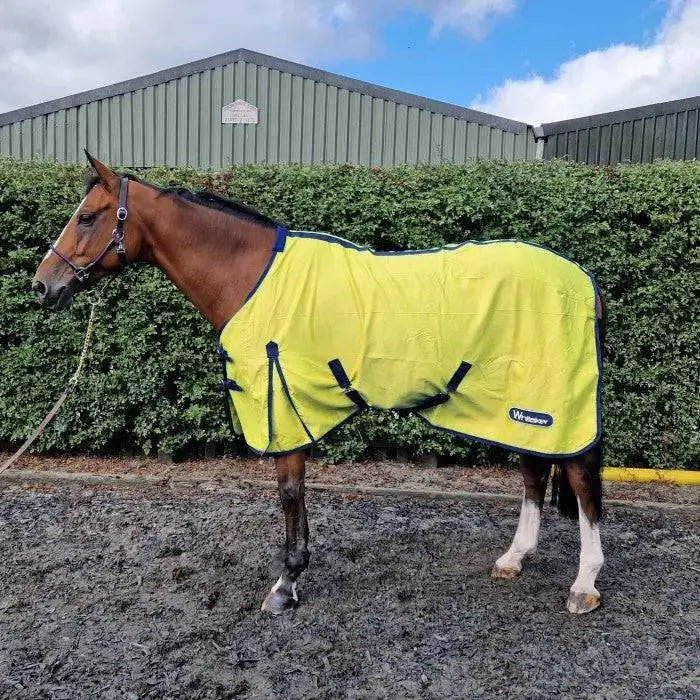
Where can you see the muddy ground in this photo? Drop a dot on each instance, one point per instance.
(156, 593)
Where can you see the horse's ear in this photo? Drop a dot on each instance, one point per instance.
(108, 178)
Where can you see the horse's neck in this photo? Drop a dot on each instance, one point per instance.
(213, 258)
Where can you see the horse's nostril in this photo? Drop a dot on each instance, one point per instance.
(39, 288)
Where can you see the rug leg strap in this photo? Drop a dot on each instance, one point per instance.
(344, 383)
(451, 386)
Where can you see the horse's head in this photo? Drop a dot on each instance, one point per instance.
(93, 242)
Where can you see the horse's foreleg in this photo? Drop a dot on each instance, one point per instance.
(535, 475)
(583, 474)
(290, 480)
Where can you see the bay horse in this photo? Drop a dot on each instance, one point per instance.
(215, 251)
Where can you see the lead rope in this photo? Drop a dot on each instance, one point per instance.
(61, 399)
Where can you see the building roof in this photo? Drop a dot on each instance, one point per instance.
(622, 115)
(273, 63)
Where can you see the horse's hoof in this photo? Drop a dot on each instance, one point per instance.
(280, 598)
(277, 602)
(580, 602)
(505, 572)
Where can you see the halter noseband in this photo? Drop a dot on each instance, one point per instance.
(117, 240)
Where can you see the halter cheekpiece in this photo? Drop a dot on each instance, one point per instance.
(82, 274)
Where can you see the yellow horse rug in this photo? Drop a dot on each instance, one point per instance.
(493, 341)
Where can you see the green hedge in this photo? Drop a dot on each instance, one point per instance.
(151, 382)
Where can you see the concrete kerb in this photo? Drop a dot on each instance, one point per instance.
(240, 486)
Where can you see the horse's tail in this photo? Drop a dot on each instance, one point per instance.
(585, 469)
(587, 465)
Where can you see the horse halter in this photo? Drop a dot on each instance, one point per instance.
(117, 241)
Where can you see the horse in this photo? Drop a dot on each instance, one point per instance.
(216, 251)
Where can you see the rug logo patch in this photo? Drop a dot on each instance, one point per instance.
(543, 420)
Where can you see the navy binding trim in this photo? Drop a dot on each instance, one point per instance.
(280, 239)
(224, 392)
(221, 352)
(230, 385)
(277, 247)
(306, 446)
(344, 383)
(511, 448)
(330, 238)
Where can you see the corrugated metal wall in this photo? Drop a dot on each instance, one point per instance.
(301, 120)
(639, 135)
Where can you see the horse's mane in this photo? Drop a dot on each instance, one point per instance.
(202, 197)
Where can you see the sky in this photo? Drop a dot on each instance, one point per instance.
(531, 60)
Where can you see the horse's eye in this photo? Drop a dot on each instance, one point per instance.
(86, 219)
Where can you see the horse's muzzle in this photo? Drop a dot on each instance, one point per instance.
(53, 297)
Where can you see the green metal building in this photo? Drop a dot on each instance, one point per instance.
(246, 107)
(638, 135)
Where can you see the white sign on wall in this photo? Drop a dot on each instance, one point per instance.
(239, 112)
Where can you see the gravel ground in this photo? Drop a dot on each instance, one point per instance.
(155, 594)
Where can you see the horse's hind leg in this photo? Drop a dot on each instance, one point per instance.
(583, 475)
(535, 472)
(290, 480)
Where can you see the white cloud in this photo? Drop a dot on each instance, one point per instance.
(50, 49)
(471, 17)
(617, 77)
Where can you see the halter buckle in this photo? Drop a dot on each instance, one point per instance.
(122, 213)
(118, 238)
(81, 273)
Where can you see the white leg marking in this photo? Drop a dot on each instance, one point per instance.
(281, 584)
(592, 559)
(525, 540)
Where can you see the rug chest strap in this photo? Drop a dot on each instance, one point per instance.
(273, 365)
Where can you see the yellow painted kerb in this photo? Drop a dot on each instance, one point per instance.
(678, 477)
